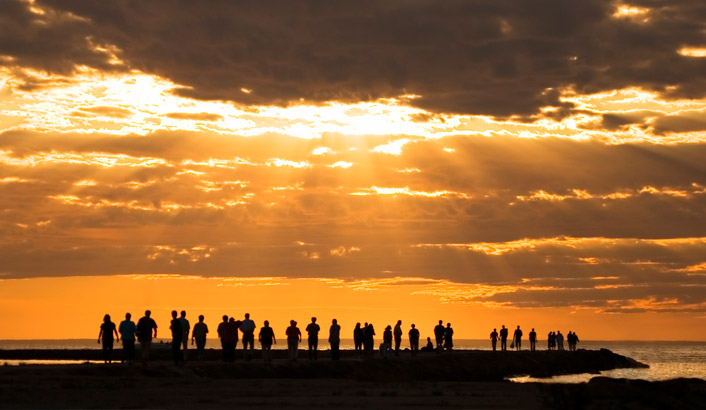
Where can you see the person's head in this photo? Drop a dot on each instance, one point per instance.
(334, 321)
(128, 316)
(247, 316)
(495, 329)
(106, 318)
(267, 323)
(441, 321)
(293, 322)
(388, 327)
(448, 325)
(365, 324)
(399, 322)
(201, 318)
(533, 329)
(357, 325)
(412, 325)
(174, 314)
(231, 320)
(225, 318)
(518, 326)
(503, 326)
(313, 320)
(428, 339)
(148, 313)
(183, 313)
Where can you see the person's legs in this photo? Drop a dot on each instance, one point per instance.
(145, 350)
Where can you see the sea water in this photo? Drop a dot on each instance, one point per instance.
(667, 360)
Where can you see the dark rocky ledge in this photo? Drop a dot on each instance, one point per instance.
(447, 366)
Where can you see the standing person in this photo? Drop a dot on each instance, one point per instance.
(369, 339)
(185, 327)
(503, 338)
(231, 338)
(199, 335)
(494, 338)
(127, 335)
(533, 340)
(313, 330)
(397, 333)
(517, 338)
(334, 339)
(439, 332)
(386, 346)
(414, 340)
(448, 337)
(266, 338)
(358, 335)
(559, 340)
(247, 326)
(221, 330)
(145, 326)
(177, 336)
(106, 337)
(550, 341)
(294, 336)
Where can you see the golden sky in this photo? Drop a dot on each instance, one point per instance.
(537, 163)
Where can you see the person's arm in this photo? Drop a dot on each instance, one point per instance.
(299, 333)
(100, 334)
(116, 334)
(155, 330)
(273, 337)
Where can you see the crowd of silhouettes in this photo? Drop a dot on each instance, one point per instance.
(230, 329)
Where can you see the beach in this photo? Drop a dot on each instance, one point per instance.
(474, 379)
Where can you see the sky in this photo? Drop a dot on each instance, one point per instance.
(537, 163)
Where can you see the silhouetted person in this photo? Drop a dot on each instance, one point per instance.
(369, 339)
(127, 335)
(517, 338)
(334, 339)
(266, 338)
(494, 339)
(105, 336)
(231, 338)
(247, 326)
(572, 339)
(199, 336)
(533, 340)
(397, 333)
(358, 336)
(448, 337)
(386, 346)
(221, 330)
(503, 338)
(551, 341)
(429, 347)
(294, 336)
(414, 340)
(185, 327)
(439, 332)
(177, 336)
(313, 329)
(145, 327)
(559, 340)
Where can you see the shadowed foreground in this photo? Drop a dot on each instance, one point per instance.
(458, 380)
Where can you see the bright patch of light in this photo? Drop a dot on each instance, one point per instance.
(341, 164)
(321, 151)
(278, 162)
(693, 52)
(392, 148)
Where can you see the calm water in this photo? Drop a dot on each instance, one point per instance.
(667, 360)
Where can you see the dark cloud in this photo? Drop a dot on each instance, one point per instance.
(502, 58)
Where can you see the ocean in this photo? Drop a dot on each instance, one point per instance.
(667, 360)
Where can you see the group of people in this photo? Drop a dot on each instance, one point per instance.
(230, 330)
(145, 330)
(555, 341)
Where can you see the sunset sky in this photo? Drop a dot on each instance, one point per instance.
(537, 163)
